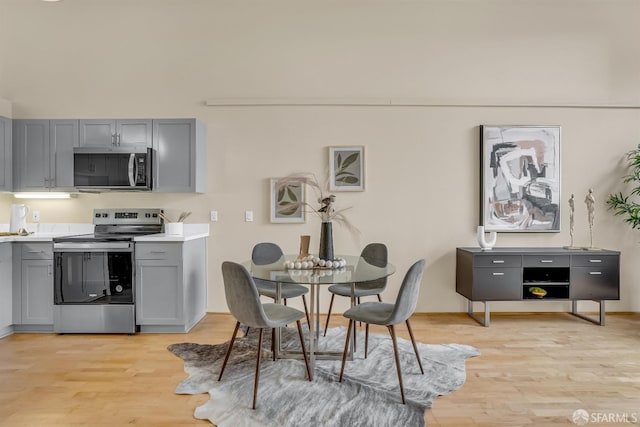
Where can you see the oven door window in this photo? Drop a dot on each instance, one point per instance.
(93, 277)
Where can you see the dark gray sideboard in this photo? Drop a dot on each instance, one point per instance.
(508, 274)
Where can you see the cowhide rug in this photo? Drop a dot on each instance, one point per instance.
(368, 396)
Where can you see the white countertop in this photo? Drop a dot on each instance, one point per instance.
(47, 232)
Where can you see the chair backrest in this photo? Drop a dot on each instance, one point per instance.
(242, 296)
(408, 294)
(266, 253)
(375, 254)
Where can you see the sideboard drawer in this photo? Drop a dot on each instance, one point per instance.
(492, 284)
(497, 261)
(546, 260)
(594, 260)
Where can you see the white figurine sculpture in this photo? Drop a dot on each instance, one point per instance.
(484, 244)
(590, 200)
(572, 210)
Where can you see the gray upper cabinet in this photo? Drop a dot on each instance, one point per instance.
(43, 154)
(133, 133)
(6, 159)
(180, 156)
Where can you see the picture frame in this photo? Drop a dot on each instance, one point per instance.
(520, 178)
(289, 194)
(346, 168)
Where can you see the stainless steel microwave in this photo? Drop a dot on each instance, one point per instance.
(112, 168)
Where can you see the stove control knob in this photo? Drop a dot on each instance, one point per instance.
(155, 215)
(104, 215)
(147, 215)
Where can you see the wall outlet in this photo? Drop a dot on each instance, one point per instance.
(35, 216)
(214, 216)
(248, 216)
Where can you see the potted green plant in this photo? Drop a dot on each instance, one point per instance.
(625, 205)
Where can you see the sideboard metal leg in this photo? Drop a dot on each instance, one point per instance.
(600, 321)
(487, 313)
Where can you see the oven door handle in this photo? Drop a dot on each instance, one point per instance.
(93, 247)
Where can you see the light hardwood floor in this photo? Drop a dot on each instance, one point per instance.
(534, 369)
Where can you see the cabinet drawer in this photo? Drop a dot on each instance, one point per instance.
(37, 251)
(594, 260)
(546, 260)
(594, 283)
(156, 251)
(497, 284)
(497, 261)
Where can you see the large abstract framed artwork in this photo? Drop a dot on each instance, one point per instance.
(346, 168)
(520, 178)
(287, 202)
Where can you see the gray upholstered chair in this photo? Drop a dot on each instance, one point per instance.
(268, 253)
(244, 303)
(389, 315)
(374, 254)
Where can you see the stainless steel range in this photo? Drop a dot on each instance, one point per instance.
(94, 276)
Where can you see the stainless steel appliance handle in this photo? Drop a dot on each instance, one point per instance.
(132, 162)
(93, 247)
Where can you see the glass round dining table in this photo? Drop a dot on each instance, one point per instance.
(357, 270)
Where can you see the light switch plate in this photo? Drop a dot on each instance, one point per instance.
(248, 216)
(35, 216)
(214, 216)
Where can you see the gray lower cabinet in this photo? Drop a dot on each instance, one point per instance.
(512, 274)
(6, 159)
(33, 286)
(180, 156)
(133, 133)
(171, 285)
(6, 290)
(43, 154)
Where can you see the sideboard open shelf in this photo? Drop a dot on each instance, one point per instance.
(510, 274)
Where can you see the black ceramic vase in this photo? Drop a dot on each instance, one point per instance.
(326, 241)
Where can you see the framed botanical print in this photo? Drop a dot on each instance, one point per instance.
(287, 202)
(520, 178)
(346, 168)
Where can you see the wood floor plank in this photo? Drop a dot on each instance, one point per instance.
(534, 370)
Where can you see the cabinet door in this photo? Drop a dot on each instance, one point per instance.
(159, 293)
(495, 284)
(31, 155)
(594, 283)
(97, 133)
(6, 291)
(134, 133)
(64, 135)
(179, 156)
(6, 160)
(37, 291)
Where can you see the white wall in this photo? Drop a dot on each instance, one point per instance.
(471, 61)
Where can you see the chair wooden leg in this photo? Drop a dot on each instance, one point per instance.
(247, 331)
(304, 350)
(257, 377)
(358, 301)
(285, 301)
(346, 349)
(392, 331)
(415, 347)
(273, 343)
(379, 298)
(226, 357)
(326, 325)
(366, 340)
(306, 311)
